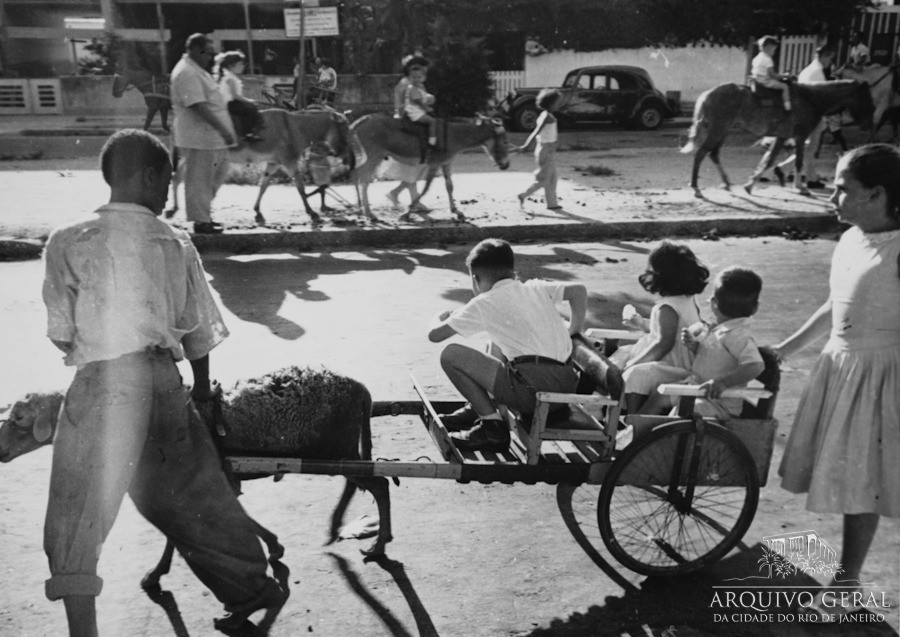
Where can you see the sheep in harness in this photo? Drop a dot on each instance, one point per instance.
(293, 412)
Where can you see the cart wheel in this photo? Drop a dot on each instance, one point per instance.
(678, 500)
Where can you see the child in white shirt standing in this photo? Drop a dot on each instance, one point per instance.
(546, 132)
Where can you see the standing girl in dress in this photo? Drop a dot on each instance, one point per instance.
(845, 441)
(548, 100)
(675, 273)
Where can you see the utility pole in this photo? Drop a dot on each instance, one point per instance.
(301, 59)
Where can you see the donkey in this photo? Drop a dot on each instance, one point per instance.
(380, 134)
(727, 105)
(881, 84)
(155, 89)
(286, 138)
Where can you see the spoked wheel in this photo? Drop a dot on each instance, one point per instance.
(679, 499)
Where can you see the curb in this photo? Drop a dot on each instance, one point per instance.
(312, 240)
(417, 237)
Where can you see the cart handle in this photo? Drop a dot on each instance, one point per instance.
(598, 333)
(587, 400)
(751, 393)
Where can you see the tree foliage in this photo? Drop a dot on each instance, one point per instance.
(588, 25)
(104, 55)
(459, 75)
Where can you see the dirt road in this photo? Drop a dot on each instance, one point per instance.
(468, 560)
(607, 175)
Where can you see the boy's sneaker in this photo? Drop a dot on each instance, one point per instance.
(463, 418)
(486, 435)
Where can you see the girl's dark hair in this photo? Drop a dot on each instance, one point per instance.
(673, 269)
(414, 60)
(877, 165)
(546, 97)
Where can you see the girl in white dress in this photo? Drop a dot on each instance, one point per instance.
(675, 273)
(845, 443)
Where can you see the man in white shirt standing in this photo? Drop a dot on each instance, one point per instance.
(203, 131)
(815, 72)
(126, 298)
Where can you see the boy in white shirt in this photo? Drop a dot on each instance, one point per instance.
(531, 345)
(762, 69)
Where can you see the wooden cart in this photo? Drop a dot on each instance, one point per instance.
(677, 497)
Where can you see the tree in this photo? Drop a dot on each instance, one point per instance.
(105, 54)
(459, 75)
(591, 25)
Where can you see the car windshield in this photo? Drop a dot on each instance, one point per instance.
(571, 79)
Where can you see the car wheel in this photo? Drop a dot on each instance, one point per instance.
(650, 117)
(525, 118)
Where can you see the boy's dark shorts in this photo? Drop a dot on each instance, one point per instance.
(517, 382)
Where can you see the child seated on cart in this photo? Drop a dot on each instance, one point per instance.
(531, 346)
(725, 354)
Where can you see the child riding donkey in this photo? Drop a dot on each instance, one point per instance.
(413, 102)
(762, 69)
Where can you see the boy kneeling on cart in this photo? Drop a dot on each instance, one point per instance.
(531, 346)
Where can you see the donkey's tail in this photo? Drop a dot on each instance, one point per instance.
(700, 125)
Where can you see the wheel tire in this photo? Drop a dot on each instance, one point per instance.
(646, 528)
(525, 117)
(650, 117)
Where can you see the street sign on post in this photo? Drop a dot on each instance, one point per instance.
(317, 22)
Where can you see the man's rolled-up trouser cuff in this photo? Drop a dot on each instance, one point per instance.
(65, 585)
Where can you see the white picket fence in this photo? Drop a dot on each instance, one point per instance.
(796, 51)
(505, 81)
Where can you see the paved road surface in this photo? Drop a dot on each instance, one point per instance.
(468, 560)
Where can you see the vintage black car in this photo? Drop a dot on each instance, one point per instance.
(623, 94)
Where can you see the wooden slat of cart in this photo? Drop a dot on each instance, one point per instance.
(436, 428)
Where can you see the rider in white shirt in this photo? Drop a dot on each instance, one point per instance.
(762, 69)
(859, 52)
